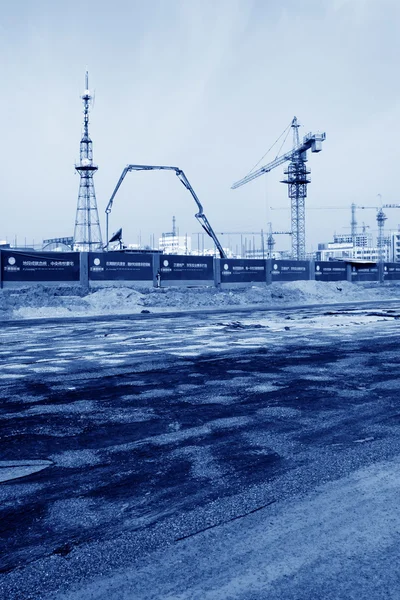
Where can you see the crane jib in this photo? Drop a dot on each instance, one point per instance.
(312, 141)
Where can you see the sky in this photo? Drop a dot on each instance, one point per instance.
(207, 86)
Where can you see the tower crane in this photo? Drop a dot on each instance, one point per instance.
(380, 219)
(297, 180)
(200, 216)
(365, 227)
(271, 241)
(380, 216)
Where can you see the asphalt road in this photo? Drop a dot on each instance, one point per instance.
(202, 456)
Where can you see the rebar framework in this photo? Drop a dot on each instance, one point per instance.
(87, 233)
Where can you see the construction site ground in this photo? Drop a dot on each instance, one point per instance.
(249, 455)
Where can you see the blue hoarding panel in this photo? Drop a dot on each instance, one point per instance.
(289, 270)
(120, 266)
(331, 270)
(190, 268)
(360, 273)
(391, 271)
(39, 266)
(239, 270)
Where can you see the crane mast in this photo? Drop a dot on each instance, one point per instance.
(297, 178)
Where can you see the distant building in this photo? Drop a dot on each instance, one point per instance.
(212, 252)
(173, 243)
(395, 246)
(361, 240)
(371, 254)
(256, 253)
(340, 250)
(169, 243)
(259, 253)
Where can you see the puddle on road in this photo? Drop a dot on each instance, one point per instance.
(14, 469)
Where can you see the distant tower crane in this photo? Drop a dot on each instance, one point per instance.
(87, 233)
(271, 241)
(353, 223)
(381, 218)
(364, 227)
(297, 180)
(270, 244)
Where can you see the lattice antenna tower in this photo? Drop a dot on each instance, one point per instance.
(87, 233)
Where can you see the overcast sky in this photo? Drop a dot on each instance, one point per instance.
(207, 85)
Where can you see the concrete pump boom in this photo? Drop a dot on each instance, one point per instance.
(200, 216)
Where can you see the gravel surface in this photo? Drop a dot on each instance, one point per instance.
(40, 301)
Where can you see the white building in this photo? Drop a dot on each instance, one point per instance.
(338, 250)
(395, 246)
(371, 254)
(175, 244)
(360, 239)
(212, 252)
(259, 253)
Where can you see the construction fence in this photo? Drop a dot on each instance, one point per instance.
(93, 269)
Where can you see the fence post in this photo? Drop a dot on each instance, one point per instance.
(156, 268)
(1, 269)
(312, 270)
(84, 270)
(349, 276)
(217, 272)
(268, 271)
(381, 271)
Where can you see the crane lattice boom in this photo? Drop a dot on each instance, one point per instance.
(311, 141)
